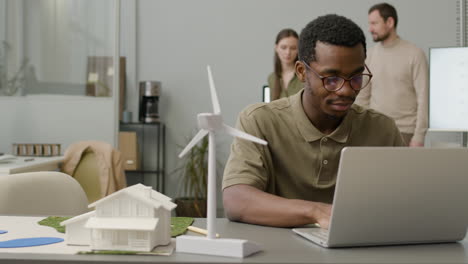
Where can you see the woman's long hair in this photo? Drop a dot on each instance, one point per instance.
(277, 85)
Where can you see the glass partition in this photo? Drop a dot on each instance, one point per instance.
(57, 47)
(57, 71)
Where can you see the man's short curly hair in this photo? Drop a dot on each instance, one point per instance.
(332, 29)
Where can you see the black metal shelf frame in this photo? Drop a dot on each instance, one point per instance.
(151, 139)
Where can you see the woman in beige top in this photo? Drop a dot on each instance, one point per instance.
(283, 81)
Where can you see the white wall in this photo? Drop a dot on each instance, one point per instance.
(176, 39)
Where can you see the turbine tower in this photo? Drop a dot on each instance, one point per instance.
(209, 124)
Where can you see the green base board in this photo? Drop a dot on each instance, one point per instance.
(178, 224)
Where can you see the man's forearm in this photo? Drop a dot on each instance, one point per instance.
(247, 204)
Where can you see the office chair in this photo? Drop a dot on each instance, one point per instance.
(44, 193)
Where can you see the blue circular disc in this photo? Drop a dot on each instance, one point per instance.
(29, 242)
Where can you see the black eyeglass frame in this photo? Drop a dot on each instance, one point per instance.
(322, 78)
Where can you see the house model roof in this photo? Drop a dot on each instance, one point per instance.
(78, 217)
(139, 192)
(142, 193)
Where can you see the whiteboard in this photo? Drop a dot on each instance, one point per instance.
(448, 89)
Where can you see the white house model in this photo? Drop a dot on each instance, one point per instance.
(136, 218)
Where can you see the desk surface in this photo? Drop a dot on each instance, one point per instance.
(280, 245)
(28, 164)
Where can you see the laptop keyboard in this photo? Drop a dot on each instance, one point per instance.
(320, 233)
(316, 235)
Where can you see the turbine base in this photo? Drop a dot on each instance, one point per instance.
(226, 247)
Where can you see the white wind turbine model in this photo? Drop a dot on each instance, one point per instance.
(210, 123)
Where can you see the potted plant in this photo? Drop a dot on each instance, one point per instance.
(193, 181)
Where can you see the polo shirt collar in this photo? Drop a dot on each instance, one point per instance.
(308, 131)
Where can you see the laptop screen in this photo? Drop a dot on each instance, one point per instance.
(266, 94)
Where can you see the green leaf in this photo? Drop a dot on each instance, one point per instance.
(179, 225)
(54, 222)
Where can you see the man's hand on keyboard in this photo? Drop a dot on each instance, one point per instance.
(322, 214)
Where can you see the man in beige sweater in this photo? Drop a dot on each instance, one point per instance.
(399, 87)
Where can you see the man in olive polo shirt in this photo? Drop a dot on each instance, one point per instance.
(290, 182)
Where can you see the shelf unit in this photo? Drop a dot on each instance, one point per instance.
(151, 139)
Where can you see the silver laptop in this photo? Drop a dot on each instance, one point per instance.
(397, 195)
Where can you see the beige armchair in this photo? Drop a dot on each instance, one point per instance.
(87, 175)
(45, 193)
(97, 166)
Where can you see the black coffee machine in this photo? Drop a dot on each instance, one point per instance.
(149, 99)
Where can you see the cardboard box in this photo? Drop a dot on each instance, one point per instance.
(128, 146)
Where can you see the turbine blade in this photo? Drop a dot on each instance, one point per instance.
(237, 133)
(193, 142)
(214, 97)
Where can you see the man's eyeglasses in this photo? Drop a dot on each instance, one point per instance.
(335, 83)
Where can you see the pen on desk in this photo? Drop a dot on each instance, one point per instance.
(29, 159)
(199, 230)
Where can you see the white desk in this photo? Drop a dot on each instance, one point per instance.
(280, 245)
(29, 164)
